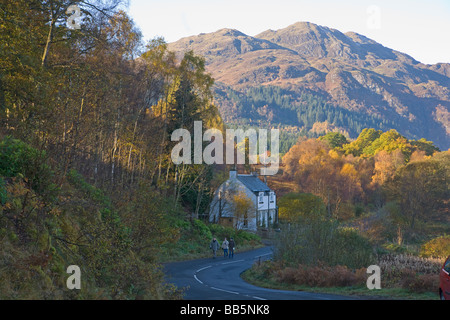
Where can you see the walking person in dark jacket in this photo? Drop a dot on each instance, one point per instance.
(231, 246)
(214, 246)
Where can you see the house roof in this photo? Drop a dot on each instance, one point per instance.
(253, 183)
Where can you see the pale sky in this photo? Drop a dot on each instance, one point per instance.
(416, 27)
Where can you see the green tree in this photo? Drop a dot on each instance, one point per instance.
(364, 140)
(334, 139)
(421, 188)
(294, 207)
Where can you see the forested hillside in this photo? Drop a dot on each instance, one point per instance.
(312, 79)
(307, 114)
(86, 176)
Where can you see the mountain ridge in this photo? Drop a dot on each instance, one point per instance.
(348, 70)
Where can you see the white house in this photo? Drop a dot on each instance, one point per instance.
(261, 214)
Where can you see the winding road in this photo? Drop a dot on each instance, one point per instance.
(219, 279)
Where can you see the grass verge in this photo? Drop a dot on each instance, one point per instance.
(259, 276)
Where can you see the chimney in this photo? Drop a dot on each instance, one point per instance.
(233, 174)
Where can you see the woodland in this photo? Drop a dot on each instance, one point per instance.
(86, 176)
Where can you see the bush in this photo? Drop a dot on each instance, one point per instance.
(295, 206)
(96, 194)
(352, 249)
(321, 276)
(3, 192)
(420, 283)
(287, 275)
(241, 237)
(394, 247)
(436, 248)
(20, 159)
(201, 229)
(410, 272)
(323, 240)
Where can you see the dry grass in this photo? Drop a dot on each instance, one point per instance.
(315, 276)
(414, 274)
(392, 263)
(410, 272)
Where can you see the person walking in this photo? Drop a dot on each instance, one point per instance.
(225, 247)
(231, 247)
(214, 246)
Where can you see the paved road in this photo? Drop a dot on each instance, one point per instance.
(219, 279)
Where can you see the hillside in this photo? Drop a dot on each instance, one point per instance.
(315, 79)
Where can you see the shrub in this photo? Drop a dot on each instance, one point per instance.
(246, 236)
(314, 276)
(359, 210)
(415, 274)
(287, 275)
(437, 248)
(321, 276)
(323, 240)
(96, 194)
(295, 206)
(393, 247)
(343, 277)
(352, 250)
(216, 229)
(420, 283)
(3, 193)
(201, 229)
(240, 236)
(18, 158)
(346, 211)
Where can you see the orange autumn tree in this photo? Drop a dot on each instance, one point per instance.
(317, 169)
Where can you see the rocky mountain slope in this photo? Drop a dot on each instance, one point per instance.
(347, 74)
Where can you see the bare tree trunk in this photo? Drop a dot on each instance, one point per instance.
(199, 199)
(116, 137)
(76, 129)
(49, 40)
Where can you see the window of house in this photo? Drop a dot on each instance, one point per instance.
(272, 197)
(261, 197)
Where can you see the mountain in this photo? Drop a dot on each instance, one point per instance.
(315, 79)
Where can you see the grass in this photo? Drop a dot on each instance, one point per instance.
(195, 237)
(199, 251)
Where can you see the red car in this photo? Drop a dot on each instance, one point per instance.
(444, 288)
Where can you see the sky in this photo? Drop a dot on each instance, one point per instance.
(416, 27)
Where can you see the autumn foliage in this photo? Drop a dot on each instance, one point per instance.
(369, 172)
(86, 178)
(380, 199)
